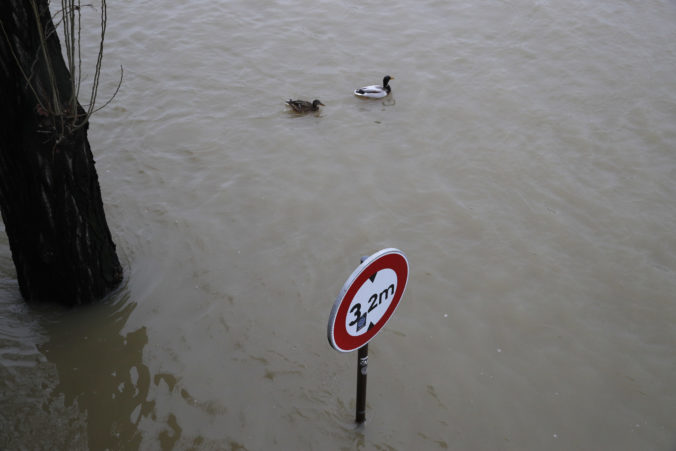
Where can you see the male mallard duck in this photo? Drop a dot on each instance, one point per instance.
(303, 106)
(375, 91)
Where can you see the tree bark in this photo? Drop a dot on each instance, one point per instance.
(49, 191)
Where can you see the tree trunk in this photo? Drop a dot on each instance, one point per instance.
(49, 190)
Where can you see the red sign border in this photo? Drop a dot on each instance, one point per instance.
(338, 336)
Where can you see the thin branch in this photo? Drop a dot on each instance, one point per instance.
(119, 84)
(48, 61)
(71, 57)
(88, 115)
(79, 55)
(18, 63)
(97, 73)
(69, 120)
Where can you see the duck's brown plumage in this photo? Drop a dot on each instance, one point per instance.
(303, 106)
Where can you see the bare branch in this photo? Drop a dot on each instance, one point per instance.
(48, 61)
(16, 59)
(66, 118)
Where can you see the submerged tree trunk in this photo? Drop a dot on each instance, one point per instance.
(49, 190)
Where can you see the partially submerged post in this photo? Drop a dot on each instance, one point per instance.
(362, 364)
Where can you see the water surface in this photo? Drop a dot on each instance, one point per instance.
(525, 163)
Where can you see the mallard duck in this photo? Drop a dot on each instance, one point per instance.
(303, 106)
(375, 91)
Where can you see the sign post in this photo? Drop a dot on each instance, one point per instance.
(362, 363)
(366, 302)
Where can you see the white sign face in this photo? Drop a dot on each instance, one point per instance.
(371, 302)
(367, 300)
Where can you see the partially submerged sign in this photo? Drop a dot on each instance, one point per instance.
(367, 300)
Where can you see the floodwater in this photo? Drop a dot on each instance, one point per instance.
(525, 164)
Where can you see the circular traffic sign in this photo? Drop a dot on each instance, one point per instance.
(367, 300)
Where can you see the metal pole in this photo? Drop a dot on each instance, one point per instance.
(362, 363)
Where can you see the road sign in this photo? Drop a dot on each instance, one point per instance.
(367, 300)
